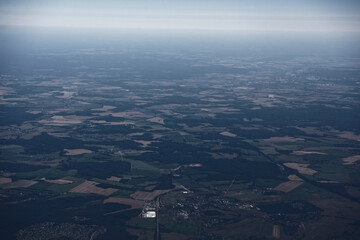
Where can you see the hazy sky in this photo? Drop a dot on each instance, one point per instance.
(232, 15)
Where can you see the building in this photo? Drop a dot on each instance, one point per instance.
(149, 210)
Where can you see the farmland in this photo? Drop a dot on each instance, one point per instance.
(230, 145)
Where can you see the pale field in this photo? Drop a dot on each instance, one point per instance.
(146, 196)
(33, 112)
(72, 152)
(144, 143)
(57, 110)
(265, 102)
(104, 108)
(64, 120)
(268, 150)
(57, 181)
(350, 136)
(120, 123)
(111, 123)
(156, 120)
(194, 165)
(228, 134)
(301, 168)
(136, 134)
(6, 91)
(90, 187)
(351, 160)
(107, 88)
(156, 136)
(98, 121)
(66, 94)
(59, 134)
(23, 183)
(130, 114)
(226, 109)
(293, 177)
(288, 186)
(114, 179)
(283, 139)
(300, 153)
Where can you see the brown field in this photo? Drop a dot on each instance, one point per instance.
(301, 168)
(146, 196)
(19, 184)
(288, 186)
(337, 206)
(276, 231)
(351, 160)
(4, 180)
(293, 177)
(228, 134)
(300, 153)
(90, 187)
(135, 204)
(156, 120)
(353, 191)
(72, 152)
(57, 181)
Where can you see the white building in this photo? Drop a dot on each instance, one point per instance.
(149, 214)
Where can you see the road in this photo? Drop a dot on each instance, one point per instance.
(157, 203)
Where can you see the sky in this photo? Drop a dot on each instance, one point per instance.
(226, 15)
